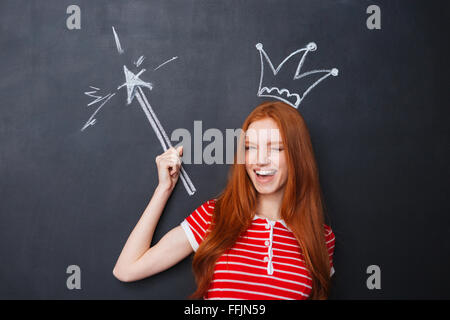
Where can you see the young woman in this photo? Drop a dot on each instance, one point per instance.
(263, 237)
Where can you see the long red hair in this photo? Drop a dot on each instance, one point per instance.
(302, 207)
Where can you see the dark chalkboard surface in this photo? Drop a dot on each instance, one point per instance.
(71, 196)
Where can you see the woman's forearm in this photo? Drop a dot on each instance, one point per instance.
(141, 237)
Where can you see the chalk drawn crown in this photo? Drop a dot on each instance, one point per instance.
(292, 98)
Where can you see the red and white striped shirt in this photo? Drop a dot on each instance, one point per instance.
(265, 262)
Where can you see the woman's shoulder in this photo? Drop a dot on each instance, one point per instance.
(209, 204)
(327, 229)
(329, 236)
(205, 209)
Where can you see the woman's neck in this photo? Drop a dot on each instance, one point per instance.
(269, 205)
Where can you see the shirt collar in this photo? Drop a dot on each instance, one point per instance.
(272, 221)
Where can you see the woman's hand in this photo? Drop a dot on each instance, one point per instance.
(169, 166)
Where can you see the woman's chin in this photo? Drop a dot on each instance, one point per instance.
(265, 189)
(269, 188)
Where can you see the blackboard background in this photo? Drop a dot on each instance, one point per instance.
(380, 133)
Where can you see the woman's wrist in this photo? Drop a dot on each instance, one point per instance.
(163, 191)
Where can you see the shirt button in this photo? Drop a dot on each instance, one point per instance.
(266, 259)
(266, 243)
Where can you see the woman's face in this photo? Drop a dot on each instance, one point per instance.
(265, 157)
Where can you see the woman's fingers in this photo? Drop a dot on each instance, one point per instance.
(174, 166)
(169, 164)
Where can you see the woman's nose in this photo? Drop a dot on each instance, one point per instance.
(263, 157)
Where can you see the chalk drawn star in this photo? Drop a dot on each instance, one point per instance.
(132, 82)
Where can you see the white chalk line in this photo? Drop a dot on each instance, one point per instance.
(173, 58)
(139, 61)
(91, 120)
(116, 38)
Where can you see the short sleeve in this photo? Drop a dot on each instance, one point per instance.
(196, 225)
(330, 242)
